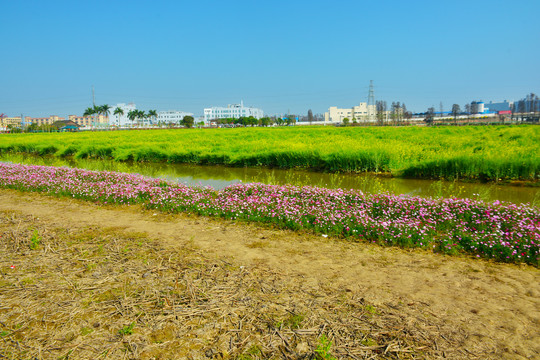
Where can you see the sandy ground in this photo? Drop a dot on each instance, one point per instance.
(475, 308)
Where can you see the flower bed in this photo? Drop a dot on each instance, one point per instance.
(500, 231)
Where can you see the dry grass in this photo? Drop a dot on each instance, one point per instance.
(103, 293)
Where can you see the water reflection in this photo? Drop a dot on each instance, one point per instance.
(219, 177)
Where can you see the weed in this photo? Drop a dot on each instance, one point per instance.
(371, 309)
(254, 350)
(323, 348)
(127, 330)
(369, 342)
(28, 280)
(294, 321)
(86, 330)
(258, 244)
(35, 240)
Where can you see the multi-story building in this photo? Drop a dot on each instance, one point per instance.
(362, 112)
(121, 120)
(89, 121)
(171, 116)
(14, 121)
(39, 121)
(234, 111)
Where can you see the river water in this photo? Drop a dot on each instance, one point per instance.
(219, 177)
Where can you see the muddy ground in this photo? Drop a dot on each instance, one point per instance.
(87, 281)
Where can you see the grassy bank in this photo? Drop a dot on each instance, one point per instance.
(474, 153)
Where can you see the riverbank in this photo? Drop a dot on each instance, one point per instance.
(498, 153)
(124, 281)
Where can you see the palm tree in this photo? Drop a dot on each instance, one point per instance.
(106, 111)
(88, 112)
(119, 112)
(152, 113)
(132, 115)
(141, 115)
(96, 111)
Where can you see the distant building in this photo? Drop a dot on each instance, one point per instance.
(362, 112)
(171, 116)
(234, 111)
(496, 107)
(14, 121)
(531, 103)
(478, 107)
(39, 121)
(121, 120)
(89, 121)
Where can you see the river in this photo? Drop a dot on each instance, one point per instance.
(219, 177)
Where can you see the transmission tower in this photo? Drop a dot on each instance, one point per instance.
(371, 102)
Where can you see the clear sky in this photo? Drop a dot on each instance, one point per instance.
(278, 55)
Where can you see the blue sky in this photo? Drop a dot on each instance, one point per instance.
(277, 55)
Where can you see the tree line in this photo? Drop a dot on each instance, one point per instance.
(252, 121)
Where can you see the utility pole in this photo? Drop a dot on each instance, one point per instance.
(371, 101)
(93, 96)
(441, 107)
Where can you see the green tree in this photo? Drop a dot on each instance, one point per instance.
(118, 112)
(141, 115)
(430, 115)
(132, 115)
(188, 121)
(97, 112)
(455, 112)
(346, 121)
(153, 114)
(89, 112)
(266, 121)
(105, 110)
(394, 112)
(291, 119)
(310, 116)
(31, 128)
(381, 111)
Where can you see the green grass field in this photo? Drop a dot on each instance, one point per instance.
(485, 153)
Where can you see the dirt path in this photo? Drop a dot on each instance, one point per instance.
(493, 310)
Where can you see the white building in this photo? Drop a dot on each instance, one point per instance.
(121, 120)
(361, 113)
(234, 111)
(171, 116)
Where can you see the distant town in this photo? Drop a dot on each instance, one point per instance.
(127, 116)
